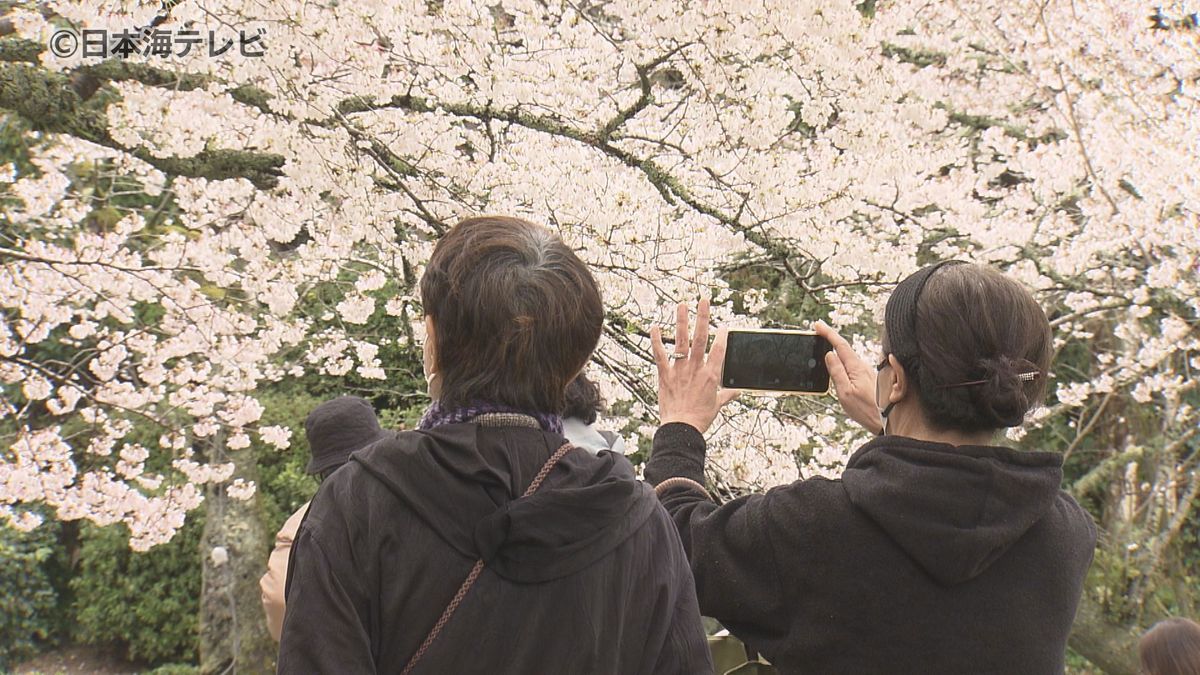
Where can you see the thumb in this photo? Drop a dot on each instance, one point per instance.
(727, 395)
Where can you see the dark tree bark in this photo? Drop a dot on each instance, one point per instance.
(233, 627)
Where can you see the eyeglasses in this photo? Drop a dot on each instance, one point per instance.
(883, 364)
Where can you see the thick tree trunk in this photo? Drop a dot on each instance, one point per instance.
(1110, 647)
(233, 629)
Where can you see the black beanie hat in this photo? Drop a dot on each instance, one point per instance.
(337, 428)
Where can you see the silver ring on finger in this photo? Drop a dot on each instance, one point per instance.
(677, 355)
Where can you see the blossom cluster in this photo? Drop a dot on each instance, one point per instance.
(676, 146)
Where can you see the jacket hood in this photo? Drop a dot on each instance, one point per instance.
(464, 480)
(953, 509)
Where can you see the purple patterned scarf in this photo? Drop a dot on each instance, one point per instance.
(436, 415)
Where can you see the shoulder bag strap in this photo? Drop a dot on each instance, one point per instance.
(474, 574)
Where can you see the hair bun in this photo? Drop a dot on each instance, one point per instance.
(1002, 397)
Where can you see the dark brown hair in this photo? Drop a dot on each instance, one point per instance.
(583, 400)
(978, 331)
(1171, 647)
(517, 314)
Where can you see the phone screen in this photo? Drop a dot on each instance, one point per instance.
(784, 361)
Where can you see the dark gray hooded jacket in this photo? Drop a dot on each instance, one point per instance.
(587, 575)
(922, 558)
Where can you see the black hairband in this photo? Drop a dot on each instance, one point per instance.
(900, 317)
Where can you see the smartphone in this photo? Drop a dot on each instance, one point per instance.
(776, 362)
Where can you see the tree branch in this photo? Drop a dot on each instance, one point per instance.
(20, 50)
(671, 188)
(644, 71)
(50, 103)
(123, 70)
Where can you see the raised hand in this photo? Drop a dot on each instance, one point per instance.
(688, 379)
(853, 378)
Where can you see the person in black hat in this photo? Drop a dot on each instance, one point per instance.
(334, 429)
(937, 550)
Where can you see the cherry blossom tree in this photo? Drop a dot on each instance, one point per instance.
(188, 229)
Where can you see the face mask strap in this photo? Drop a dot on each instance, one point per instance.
(884, 415)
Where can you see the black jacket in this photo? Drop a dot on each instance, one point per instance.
(585, 576)
(923, 558)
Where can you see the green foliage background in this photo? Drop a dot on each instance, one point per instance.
(146, 602)
(30, 565)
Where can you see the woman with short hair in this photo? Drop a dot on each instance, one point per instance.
(938, 550)
(484, 542)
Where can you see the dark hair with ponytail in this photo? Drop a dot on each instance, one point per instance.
(984, 348)
(517, 314)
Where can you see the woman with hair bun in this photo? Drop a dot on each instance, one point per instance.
(937, 550)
